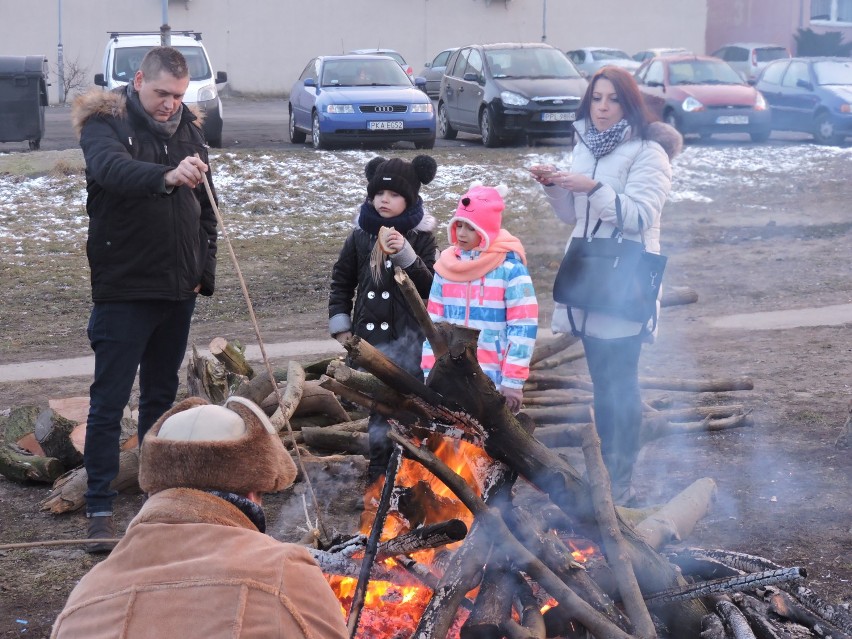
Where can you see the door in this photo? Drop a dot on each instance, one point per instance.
(306, 96)
(470, 90)
(453, 83)
(798, 100)
(651, 84)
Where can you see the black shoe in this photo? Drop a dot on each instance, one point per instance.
(100, 527)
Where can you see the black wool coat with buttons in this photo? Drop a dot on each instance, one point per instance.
(378, 310)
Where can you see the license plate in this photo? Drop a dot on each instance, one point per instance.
(562, 116)
(732, 119)
(385, 125)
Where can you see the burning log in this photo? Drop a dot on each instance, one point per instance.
(424, 538)
(713, 628)
(342, 566)
(756, 612)
(614, 544)
(493, 602)
(415, 303)
(739, 583)
(784, 605)
(735, 620)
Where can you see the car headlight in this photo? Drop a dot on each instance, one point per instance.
(691, 104)
(340, 108)
(207, 93)
(513, 99)
(760, 103)
(846, 108)
(421, 108)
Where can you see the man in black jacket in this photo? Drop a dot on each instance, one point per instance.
(151, 250)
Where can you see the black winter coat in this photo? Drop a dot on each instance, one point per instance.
(144, 243)
(381, 315)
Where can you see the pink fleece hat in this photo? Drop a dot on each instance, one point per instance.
(482, 208)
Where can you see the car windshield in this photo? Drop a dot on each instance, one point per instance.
(360, 72)
(702, 72)
(833, 72)
(127, 61)
(610, 54)
(767, 54)
(529, 63)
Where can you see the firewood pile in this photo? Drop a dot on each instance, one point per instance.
(515, 542)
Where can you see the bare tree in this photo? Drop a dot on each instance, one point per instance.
(75, 78)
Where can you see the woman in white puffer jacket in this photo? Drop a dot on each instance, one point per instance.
(619, 158)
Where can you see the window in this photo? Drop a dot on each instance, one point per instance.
(831, 11)
(796, 72)
(441, 59)
(474, 63)
(773, 73)
(736, 54)
(460, 64)
(655, 73)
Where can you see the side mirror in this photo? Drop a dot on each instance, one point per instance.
(99, 80)
(420, 81)
(653, 83)
(310, 82)
(428, 65)
(804, 84)
(221, 77)
(471, 77)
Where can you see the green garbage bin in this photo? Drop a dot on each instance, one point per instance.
(23, 96)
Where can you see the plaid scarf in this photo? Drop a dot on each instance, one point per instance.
(602, 142)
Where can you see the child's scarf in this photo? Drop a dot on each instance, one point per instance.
(450, 267)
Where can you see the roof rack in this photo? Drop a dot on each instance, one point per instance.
(192, 34)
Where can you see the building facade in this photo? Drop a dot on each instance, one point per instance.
(263, 45)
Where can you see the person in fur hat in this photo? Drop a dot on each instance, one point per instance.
(391, 229)
(195, 562)
(481, 281)
(621, 164)
(151, 250)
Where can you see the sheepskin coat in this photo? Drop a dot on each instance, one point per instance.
(193, 566)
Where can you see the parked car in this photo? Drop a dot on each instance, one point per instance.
(643, 55)
(433, 71)
(359, 99)
(391, 54)
(813, 95)
(508, 91)
(124, 52)
(590, 59)
(703, 95)
(749, 58)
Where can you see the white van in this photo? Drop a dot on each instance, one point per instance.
(123, 55)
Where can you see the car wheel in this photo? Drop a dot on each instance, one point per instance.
(296, 136)
(761, 135)
(824, 130)
(486, 130)
(35, 145)
(445, 129)
(316, 135)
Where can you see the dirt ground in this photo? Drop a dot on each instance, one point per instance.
(784, 488)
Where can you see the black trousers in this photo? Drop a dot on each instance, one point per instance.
(614, 368)
(126, 336)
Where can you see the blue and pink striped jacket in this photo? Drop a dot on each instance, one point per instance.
(503, 306)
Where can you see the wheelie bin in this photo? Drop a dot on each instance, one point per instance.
(23, 96)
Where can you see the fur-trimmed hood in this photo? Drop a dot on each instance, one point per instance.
(113, 104)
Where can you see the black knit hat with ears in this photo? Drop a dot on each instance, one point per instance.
(400, 176)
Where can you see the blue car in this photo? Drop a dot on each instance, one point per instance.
(813, 95)
(359, 99)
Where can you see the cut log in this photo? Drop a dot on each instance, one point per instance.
(68, 493)
(493, 602)
(559, 359)
(288, 401)
(332, 439)
(676, 519)
(543, 380)
(735, 620)
(16, 463)
(550, 347)
(206, 378)
(572, 413)
(529, 612)
(677, 295)
(418, 308)
(53, 433)
(233, 357)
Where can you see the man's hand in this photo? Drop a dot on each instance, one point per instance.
(190, 172)
(342, 337)
(514, 398)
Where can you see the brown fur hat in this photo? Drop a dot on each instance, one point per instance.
(232, 448)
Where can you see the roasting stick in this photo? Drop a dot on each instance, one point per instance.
(373, 541)
(266, 362)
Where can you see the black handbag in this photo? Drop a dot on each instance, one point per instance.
(610, 275)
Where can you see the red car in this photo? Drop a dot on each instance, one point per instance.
(703, 95)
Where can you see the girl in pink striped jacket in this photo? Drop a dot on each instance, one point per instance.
(482, 282)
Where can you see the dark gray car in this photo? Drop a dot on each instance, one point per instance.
(509, 91)
(433, 72)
